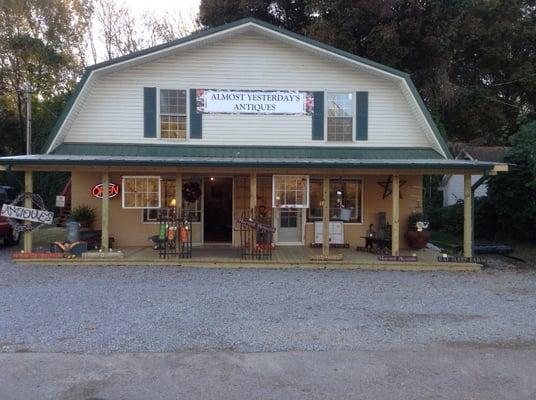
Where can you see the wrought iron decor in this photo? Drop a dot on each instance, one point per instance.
(174, 233)
(256, 237)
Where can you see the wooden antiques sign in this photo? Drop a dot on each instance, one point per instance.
(218, 101)
(258, 226)
(27, 214)
(113, 190)
(26, 219)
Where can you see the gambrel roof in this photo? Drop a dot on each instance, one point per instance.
(214, 35)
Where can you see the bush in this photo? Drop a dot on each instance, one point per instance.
(84, 214)
(450, 219)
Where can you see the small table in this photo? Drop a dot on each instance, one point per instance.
(381, 243)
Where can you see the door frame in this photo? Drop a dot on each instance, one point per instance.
(203, 179)
(277, 216)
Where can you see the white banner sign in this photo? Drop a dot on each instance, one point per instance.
(27, 214)
(254, 102)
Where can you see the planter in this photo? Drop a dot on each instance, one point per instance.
(415, 239)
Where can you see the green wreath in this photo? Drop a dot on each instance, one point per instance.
(191, 191)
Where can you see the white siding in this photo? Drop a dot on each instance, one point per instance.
(112, 111)
(453, 189)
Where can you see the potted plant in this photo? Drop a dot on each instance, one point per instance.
(417, 235)
(84, 214)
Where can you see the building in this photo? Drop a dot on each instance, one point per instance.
(248, 116)
(452, 185)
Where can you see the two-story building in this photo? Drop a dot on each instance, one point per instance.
(248, 116)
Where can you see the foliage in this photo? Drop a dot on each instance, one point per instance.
(514, 193)
(83, 214)
(449, 219)
(414, 218)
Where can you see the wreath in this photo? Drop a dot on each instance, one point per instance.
(191, 191)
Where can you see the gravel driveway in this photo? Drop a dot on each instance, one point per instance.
(159, 309)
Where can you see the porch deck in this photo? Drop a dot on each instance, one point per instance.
(282, 257)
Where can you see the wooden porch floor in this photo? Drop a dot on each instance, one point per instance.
(293, 256)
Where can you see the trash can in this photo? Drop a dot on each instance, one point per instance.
(73, 231)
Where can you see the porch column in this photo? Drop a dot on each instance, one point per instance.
(28, 188)
(105, 211)
(395, 240)
(253, 203)
(178, 193)
(467, 217)
(325, 216)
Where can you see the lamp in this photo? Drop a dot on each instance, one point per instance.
(173, 202)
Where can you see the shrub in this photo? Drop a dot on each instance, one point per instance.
(83, 214)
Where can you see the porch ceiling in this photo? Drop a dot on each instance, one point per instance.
(245, 156)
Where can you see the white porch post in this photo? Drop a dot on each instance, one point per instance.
(28, 188)
(325, 216)
(395, 240)
(467, 217)
(105, 211)
(253, 202)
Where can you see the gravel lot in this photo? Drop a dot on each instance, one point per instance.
(162, 309)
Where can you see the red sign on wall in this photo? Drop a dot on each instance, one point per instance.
(113, 190)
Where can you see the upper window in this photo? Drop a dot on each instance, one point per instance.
(340, 117)
(172, 114)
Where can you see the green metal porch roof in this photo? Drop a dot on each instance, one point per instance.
(243, 156)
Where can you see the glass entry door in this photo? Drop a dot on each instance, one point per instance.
(290, 225)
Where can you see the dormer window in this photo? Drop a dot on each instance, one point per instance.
(340, 117)
(172, 114)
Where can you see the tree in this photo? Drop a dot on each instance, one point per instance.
(514, 193)
(41, 42)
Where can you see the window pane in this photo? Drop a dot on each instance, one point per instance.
(172, 114)
(340, 117)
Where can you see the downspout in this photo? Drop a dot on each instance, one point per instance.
(475, 186)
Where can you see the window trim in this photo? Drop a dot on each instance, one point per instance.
(326, 109)
(158, 127)
(306, 206)
(359, 177)
(123, 192)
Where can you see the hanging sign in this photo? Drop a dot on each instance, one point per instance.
(215, 101)
(27, 214)
(60, 201)
(113, 190)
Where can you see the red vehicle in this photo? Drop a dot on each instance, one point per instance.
(7, 234)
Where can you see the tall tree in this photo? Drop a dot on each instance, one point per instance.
(41, 42)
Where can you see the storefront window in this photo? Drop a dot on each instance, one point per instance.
(344, 194)
(167, 194)
(141, 192)
(172, 114)
(340, 117)
(290, 191)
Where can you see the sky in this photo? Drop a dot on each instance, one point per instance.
(162, 6)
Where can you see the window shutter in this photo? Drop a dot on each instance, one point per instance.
(318, 116)
(196, 122)
(361, 109)
(149, 112)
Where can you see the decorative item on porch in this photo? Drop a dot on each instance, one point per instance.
(417, 235)
(378, 242)
(191, 191)
(387, 186)
(256, 238)
(174, 238)
(69, 249)
(85, 215)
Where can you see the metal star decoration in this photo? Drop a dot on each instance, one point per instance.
(387, 186)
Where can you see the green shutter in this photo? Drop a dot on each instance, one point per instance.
(361, 109)
(149, 112)
(196, 122)
(318, 116)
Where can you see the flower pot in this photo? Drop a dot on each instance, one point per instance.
(415, 239)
